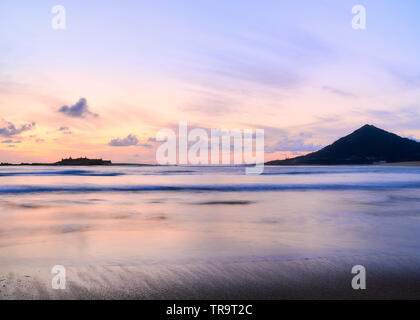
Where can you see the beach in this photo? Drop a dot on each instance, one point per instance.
(389, 277)
(404, 164)
(209, 232)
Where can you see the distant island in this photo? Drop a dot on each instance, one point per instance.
(367, 145)
(83, 162)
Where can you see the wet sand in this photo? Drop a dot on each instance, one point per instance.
(388, 277)
(403, 164)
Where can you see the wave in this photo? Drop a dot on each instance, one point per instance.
(268, 172)
(62, 173)
(176, 171)
(22, 189)
(226, 202)
(90, 173)
(166, 172)
(303, 173)
(341, 171)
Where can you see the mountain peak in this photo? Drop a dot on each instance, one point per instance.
(366, 145)
(369, 127)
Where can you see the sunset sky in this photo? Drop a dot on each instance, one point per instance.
(123, 70)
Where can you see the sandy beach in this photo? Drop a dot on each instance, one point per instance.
(388, 277)
(403, 164)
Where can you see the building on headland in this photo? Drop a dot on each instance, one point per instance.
(82, 162)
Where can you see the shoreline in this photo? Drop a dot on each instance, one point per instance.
(403, 164)
(399, 164)
(388, 277)
(76, 165)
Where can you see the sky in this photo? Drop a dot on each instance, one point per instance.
(121, 71)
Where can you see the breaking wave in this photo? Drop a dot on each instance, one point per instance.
(61, 173)
(21, 189)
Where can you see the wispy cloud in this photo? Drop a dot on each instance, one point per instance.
(145, 145)
(405, 118)
(293, 144)
(210, 105)
(298, 139)
(339, 92)
(64, 130)
(8, 86)
(10, 141)
(406, 77)
(266, 58)
(79, 110)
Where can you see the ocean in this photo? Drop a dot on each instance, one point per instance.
(151, 216)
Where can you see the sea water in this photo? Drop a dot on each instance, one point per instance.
(128, 215)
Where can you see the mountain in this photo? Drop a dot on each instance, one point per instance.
(366, 145)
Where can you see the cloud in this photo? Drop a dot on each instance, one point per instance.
(9, 86)
(146, 145)
(265, 57)
(404, 76)
(297, 145)
(401, 118)
(9, 129)
(258, 74)
(79, 110)
(130, 140)
(412, 138)
(284, 140)
(65, 130)
(339, 92)
(210, 103)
